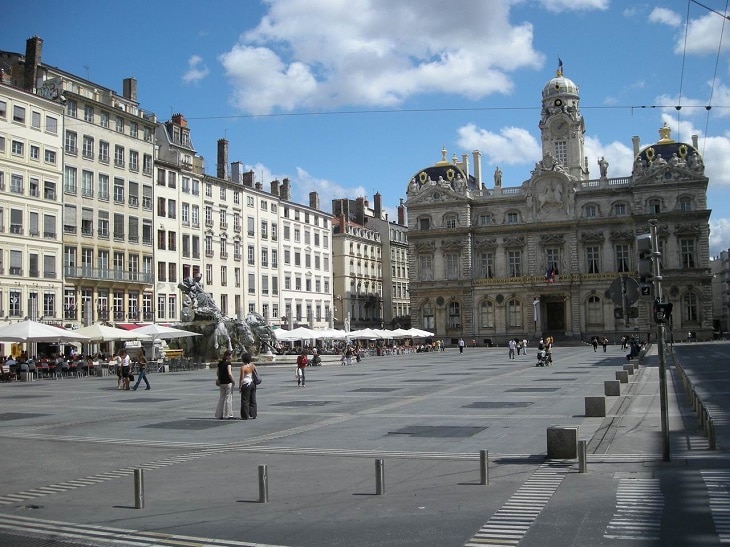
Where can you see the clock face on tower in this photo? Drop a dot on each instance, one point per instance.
(560, 128)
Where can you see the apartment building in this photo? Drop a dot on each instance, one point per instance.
(31, 159)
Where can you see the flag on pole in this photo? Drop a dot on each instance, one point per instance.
(560, 67)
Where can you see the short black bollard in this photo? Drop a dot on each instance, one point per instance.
(484, 467)
(379, 477)
(139, 488)
(263, 484)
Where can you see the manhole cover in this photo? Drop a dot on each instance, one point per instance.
(189, 425)
(497, 404)
(439, 431)
(6, 416)
(532, 390)
(373, 390)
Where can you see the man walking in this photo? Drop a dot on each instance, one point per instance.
(512, 347)
(142, 363)
(461, 345)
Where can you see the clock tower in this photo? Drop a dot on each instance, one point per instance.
(561, 125)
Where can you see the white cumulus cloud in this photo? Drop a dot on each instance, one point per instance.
(719, 235)
(511, 146)
(196, 70)
(665, 16)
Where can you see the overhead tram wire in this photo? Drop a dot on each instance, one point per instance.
(725, 17)
(714, 76)
(681, 74)
(430, 110)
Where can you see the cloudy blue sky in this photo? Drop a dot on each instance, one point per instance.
(353, 97)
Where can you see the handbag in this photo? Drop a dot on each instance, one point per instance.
(255, 377)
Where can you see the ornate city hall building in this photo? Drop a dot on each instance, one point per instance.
(557, 255)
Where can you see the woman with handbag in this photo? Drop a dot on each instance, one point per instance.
(248, 388)
(225, 383)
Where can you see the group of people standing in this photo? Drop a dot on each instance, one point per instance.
(124, 370)
(247, 388)
(516, 346)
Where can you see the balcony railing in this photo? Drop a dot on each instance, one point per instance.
(82, 272)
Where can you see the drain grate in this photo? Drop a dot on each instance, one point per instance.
(374, 390)
(7, 416)
(497, 404)
(439, 431)
(304, 403)
(532, 390)
(189, 425)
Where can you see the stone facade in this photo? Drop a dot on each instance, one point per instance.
(544, 257)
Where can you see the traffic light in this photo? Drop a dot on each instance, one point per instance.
(618, 313)
(662, 311)
(646, 258)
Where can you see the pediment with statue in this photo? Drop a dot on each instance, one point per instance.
(551, 190)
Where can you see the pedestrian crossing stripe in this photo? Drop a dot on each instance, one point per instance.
(639, 507)
(103, 536)
(718, 490)
(510, 523)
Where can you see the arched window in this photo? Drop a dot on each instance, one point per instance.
(454, 315)
(594, 315)
(654, 205)
(427, 314)
(514, 313)
(486, 315)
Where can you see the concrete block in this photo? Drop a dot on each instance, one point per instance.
(622, 376)
(595, 407)
(629, 369)
(612, 388)
(562, 442)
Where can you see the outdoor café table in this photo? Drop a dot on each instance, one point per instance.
(42, 369)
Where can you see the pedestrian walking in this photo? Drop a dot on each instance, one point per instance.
(142, 364)
(512, 345)
(461, 345)
(249, 408)
(126, 368)
(524, 346)
(348, 356)
(604, 343)
(118, 366)
(302, 363)
(594, 343)
(225, 385)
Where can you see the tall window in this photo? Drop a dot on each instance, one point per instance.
(428, 317)
(486, 315)
(452, 266)
(687, 251)
(561, 153)
(425, 268)
(623, 261)
(486, 264)
(593, 311)
(454, 315)
(514, 263)
(689, 308)
(514, 313)
(553, 260)
(592, 259)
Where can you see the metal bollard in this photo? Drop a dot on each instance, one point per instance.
(712, 445)
(379, 477)
(484, 466)
(263, 484)
(139, 488)
(582, 456)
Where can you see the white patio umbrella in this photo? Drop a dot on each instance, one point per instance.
(364, 334)
(330, 334)
(400, 333)
(418, 333)
(104, 333)
(157, 331)
(32, 331)
(300, 333)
